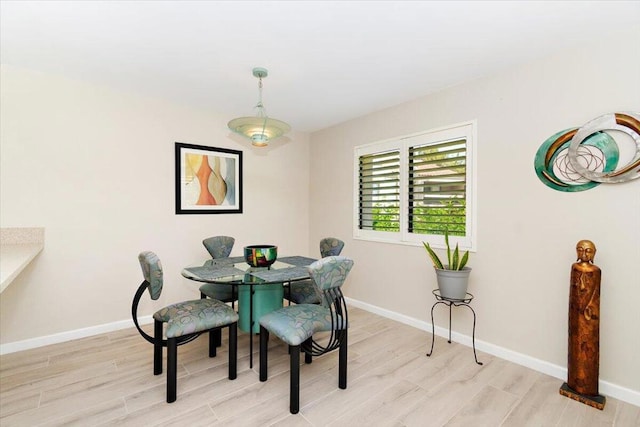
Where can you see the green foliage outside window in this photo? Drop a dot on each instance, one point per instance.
(450, 217)
(386, 218)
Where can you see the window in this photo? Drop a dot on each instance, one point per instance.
(415, 188)
(379, 191)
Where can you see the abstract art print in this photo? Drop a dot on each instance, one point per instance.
(208, 180)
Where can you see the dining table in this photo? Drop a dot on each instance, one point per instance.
(259, 289)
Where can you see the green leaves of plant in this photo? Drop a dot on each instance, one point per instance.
(454, 262)
(446, 239)
(463, 261)
(434, 257)
(453, 258)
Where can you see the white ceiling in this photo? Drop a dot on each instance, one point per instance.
(328, 61)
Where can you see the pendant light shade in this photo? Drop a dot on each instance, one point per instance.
(260, 128)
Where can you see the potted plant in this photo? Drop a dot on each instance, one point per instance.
(453, 278)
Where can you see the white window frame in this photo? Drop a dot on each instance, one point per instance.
(466, 130)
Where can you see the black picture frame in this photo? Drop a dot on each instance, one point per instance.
(222, 174)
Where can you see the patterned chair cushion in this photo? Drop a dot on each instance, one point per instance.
(330, 272)
(219, 246)
(219, 292)
(194, 316)
(303, 292)
(296, 323)
(330, 246)
(152, 272)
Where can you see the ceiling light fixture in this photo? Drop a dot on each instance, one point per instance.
(260, 128)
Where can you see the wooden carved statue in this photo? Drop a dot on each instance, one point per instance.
(584, 329)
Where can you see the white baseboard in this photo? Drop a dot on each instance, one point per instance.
(605, 388)
(12, 347)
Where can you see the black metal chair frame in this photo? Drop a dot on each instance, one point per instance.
(172, 345)
(310, 348)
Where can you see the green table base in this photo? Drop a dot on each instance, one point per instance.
(266, 299)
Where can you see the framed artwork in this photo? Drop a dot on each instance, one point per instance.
(208, 180)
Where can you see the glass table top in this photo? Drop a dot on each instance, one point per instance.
(234, 270)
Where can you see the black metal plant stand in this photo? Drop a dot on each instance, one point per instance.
(457, 303)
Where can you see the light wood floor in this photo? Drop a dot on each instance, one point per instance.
(108, 380)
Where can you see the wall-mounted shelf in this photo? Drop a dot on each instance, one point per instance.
(18, 247)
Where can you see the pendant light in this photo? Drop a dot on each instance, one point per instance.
(260, 128)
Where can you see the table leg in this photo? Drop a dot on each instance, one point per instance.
(473, 334)
(449, 323)
(255, 300)
(251, 292)
(234, 296)
(433, 327)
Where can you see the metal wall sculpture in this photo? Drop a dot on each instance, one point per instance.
(578, 159)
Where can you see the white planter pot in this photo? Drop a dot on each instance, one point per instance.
(453, 283)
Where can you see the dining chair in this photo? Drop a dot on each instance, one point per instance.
(303, 292)
(185, 321)
(296, 325)
(219, 247)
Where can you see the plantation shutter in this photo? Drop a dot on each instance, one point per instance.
(379, 191)
(437, 188)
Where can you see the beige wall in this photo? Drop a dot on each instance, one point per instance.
(96, 169)
(527, 231)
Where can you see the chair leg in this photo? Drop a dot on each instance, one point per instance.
(214, 336)
(294, 380)
(233, 351)
(264, 342)
(157, 347)
(172, 369)
(308, 358)
(342, 360)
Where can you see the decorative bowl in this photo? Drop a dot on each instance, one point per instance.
(260, 255)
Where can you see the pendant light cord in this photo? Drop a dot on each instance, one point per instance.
(262, 112)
